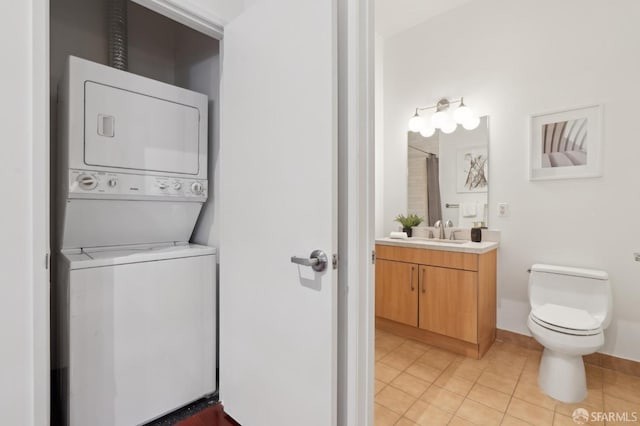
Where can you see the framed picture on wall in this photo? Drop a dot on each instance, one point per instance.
(472, 169)
(566, 144)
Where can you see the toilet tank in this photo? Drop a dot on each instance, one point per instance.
(585, 289)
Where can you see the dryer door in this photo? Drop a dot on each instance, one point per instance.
(129, 130)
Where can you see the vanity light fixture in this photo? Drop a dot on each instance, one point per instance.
(442, 119)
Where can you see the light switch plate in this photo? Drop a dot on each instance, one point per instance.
(503, 209)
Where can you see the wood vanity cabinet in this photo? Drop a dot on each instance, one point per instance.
(443, 298)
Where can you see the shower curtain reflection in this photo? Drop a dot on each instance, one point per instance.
(434, 205)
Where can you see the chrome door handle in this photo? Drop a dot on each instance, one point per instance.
(317, 260)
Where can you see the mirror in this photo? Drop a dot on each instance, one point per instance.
(448, 176)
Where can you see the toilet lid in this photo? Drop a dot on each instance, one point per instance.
(566, 317)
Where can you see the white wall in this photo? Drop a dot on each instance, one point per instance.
(511, 59)
(379, 133)
(23, 230)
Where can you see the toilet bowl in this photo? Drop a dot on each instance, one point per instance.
(570, 308)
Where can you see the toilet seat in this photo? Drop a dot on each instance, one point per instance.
(566, 320)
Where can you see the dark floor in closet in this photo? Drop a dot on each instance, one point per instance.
(205, 412)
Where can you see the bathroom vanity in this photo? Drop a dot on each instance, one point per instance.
(442, 293)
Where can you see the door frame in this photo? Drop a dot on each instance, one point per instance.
(355, 186)
(356, 207)
(40, 216)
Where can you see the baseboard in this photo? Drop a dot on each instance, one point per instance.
(597, 359)
(454, 345)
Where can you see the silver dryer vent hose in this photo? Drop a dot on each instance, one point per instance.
(118, 39)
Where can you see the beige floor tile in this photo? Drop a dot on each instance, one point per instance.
(489, 397)
(500, 383)
(426, 414)
(386, 374)
(438, 358)
(530, 413)
(465, 370)
(479, 414)
(504, 368)
(593, 402)
(404, 422)
(398, 360)
(622, 407)
(533, 394)
(442, 398)
(562, 420)
(512, 421)
(424, 372)
(529, 376)
(394, 399)
(622, 386)
(378, 385)
(383, 416)
(380, 354)
(411, 350)
(459, 421)
(410, 384)
(454, 383)
(417, 345)
(389, 342)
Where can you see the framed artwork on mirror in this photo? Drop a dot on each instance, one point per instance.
(472, 169)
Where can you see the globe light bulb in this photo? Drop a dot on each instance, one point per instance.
(462, 114)
(449, 127)
(427, 130)
(439, 119)
(471, 123)
(416, 123)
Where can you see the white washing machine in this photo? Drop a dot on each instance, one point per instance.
(135, 303)
(141, 331)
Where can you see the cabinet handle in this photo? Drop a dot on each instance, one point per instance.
(422, 280)
(413, 268)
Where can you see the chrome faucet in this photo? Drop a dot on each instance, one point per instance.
(440, 225)
(452, 234)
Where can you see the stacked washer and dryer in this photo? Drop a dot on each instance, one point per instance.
(136, 302)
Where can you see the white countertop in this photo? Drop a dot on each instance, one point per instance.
(418, 242)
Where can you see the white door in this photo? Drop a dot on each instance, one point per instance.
(278, 199)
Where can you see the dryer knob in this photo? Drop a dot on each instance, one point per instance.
(196, 188)
(177, 186)
(87, 181)
(112, 182)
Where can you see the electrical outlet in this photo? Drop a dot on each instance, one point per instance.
(503, 209)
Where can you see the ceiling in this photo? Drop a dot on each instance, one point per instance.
(394, 16)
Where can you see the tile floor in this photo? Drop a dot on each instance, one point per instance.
(418, 384)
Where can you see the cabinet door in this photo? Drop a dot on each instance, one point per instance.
(449, 302)
(397, 291)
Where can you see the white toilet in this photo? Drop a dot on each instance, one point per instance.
(570, 308)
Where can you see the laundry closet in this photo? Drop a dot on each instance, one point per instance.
(134, 144)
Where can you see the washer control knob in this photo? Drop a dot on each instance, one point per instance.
(87, 181)
(196, 188)
(112, 182)
(177, 186)
(163, 185)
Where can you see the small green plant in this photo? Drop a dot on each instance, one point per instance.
(409, 221)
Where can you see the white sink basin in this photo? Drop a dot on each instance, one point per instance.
(437, 240)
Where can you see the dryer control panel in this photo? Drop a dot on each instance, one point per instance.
(96, 184)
